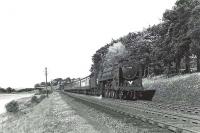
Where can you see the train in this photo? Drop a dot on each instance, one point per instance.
(120, 81)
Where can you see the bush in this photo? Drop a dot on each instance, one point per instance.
(12, 106)
(34, 99)
(44, 91)
(9, 90)
(42, 97)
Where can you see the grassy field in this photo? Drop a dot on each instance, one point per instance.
(52, 115)
(183, 89)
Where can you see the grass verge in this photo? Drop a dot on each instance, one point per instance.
(49, 116)
(182, 89)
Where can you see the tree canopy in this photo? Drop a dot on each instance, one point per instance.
(167, 47)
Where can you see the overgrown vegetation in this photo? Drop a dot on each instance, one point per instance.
(42, 97)
(179, 89)
(37, 99)
(26, 90)
(12, 106)
(34, 99)
(7, 90)
(44, 91)
(170, 47)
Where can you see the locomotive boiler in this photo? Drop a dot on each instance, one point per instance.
(121, 81)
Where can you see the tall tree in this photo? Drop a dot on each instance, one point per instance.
(195, 33)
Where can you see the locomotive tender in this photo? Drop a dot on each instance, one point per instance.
(121, 81)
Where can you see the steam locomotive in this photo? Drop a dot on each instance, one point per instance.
(121, 81)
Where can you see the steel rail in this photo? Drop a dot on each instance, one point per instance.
(165, 119)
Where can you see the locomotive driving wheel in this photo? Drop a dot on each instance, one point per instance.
(109, 94)
(113, 94)
(105, 93)
(116, 94)
(125, 95)
(120, 94)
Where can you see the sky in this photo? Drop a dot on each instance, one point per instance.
(62, 35)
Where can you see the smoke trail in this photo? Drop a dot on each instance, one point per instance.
(115, 54)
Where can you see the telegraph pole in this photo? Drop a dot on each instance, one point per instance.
(46, 80)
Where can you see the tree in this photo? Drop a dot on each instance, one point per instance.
(9, 90)
(37, 85)
(42, 84)
(195, 33)
(160, 47)
(68, 80)
(176, 38)
(98, 58)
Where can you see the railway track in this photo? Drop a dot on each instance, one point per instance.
(147, 112)
(179, 108)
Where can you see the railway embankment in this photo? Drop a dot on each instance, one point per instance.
(180, 89)
(176, 121)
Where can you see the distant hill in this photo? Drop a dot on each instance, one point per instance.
(2, 90)
(14, 90)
